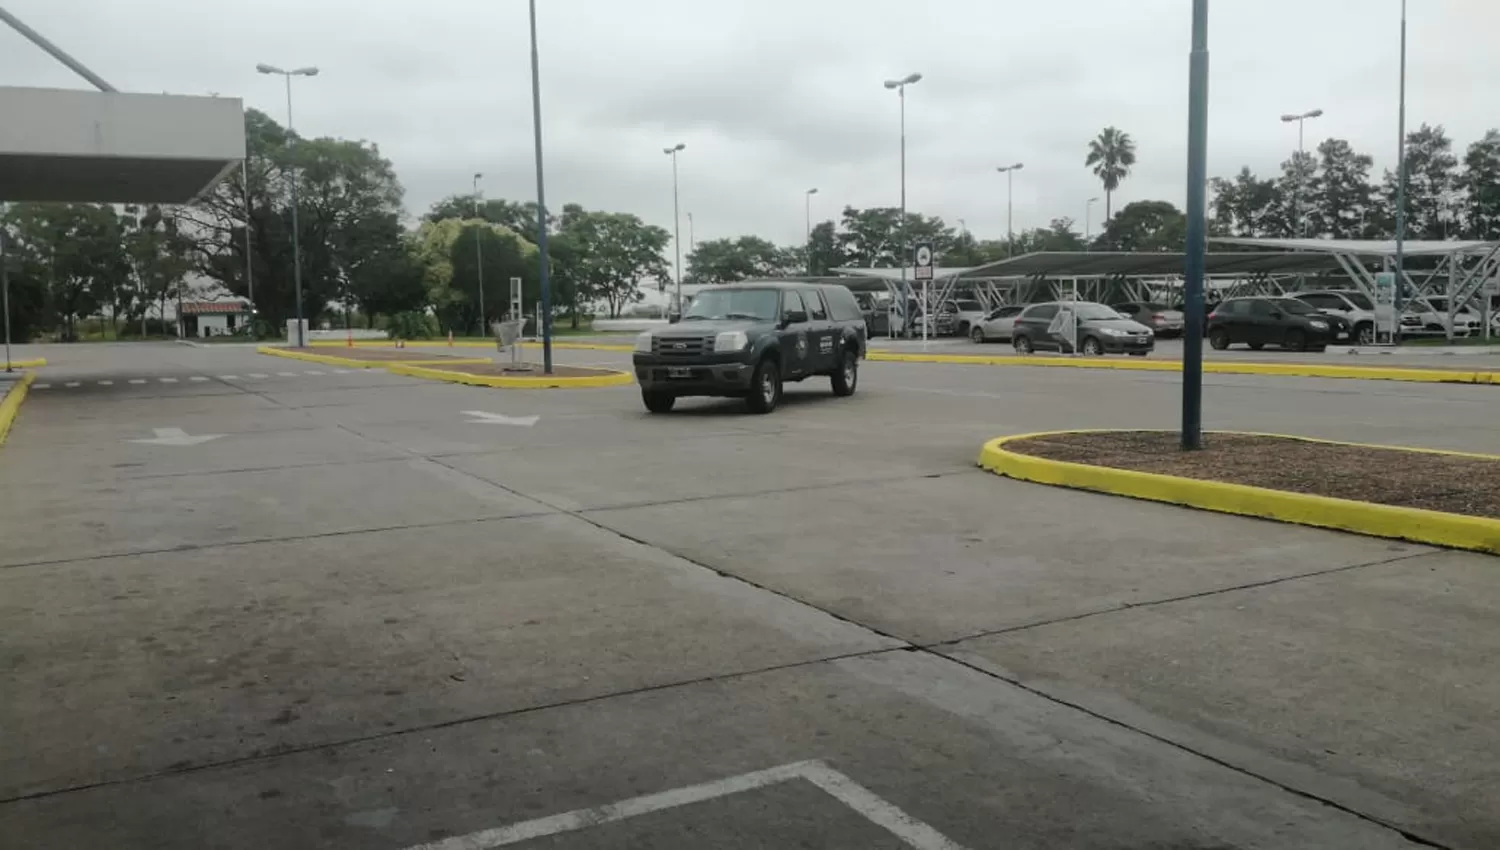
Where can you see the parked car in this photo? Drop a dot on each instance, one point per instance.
(1432, 313)
(1160, 318)
(997, 325)
(745, 340)
(966, 312)
(1101, 330)
(1354, 307)
(1286, 322)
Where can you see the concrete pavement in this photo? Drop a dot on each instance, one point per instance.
(360, 617)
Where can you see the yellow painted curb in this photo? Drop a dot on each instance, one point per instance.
(349, 362)
(10, 406)
(540, 382)
(1220, 367)
(474, 343)
(34, 363)
(1454, 531)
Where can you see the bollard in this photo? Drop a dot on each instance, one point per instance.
(450, 339)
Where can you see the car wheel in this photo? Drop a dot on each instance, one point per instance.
(976, 333)
(658, 401)
(1092, 347)
(963, 329)
(765, 387)
(1364, 333)
(1257, 346)
(1295, 341)
(1218, 338)
(847, 377)
(1022, 344)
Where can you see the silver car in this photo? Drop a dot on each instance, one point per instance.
(997, 325)
(1158, 317)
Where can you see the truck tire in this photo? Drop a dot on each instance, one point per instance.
(657, 401)
(846, 379)
(765, 387)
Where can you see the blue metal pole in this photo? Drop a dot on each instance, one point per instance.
(1197, 177)
(1400, 190)
(541, 199)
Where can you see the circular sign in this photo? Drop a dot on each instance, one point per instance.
(924, 255)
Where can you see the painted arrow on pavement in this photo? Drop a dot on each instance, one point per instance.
(483, 418)
(175, 437)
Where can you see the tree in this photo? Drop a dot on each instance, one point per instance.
(392, 281)
(873, 238)
(727, 260)
(506, 255)
(617, 252)
(1111, 156)
(1147, 226)
(518, 217)
(1432, 207)
(1341, 195)
(823, 251)
(78, 252)
(1480, 183)
(1295, 191)
(159, 256)
(1246, 205)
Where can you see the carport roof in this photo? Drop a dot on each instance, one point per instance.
(1126, 264)
(1359, 247)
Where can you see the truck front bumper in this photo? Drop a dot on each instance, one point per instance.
(699, 378)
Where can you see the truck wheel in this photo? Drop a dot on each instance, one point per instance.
(1364, 333)
(658, 401)
(847, 377)
(765, 387)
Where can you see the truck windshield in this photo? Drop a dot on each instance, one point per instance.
(749, 304)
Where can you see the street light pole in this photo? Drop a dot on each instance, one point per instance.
(1400, 190)
(5, 289)
(479, 253)
(249, 258)
(905, 250)
(692, 235)
(1088, 223)
(676, 221)
(541, 199)
(1301, 119)
(1197, 231)
(808, 242)
(291, 136)
(1010, 194)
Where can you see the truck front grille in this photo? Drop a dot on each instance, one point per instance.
(681, 346)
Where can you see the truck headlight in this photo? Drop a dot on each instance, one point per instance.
(731, 341)
(1322, 326)
(643, 343)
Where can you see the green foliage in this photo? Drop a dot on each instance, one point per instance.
(1111, 156)
(74, 256)
(616, 252)
(1480, 183)
(727, 260)
(1146, 226)
(411, 325)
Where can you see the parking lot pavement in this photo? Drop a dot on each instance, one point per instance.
(370, 611)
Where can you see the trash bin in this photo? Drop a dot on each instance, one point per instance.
(506, 333)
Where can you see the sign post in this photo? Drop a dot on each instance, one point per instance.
(517, 309)
(1385, 308)
(922, 261)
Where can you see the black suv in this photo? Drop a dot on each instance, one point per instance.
(743, 340)
(1286, 322)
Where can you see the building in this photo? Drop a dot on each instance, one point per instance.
(213, 318)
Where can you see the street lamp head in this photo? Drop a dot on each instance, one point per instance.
(1018, 166)
(478, 175)
(1093, 200)
(912, 78)
(268, 69)
(812, 191)
(1290, 118)
(892, 84)
(679, 146)
(1316, 113)
(309, 71)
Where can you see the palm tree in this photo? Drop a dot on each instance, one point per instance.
(1111, 156)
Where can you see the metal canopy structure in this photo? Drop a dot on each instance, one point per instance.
(1462, 272)
(1075, 264)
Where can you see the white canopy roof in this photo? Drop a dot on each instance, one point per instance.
(1360, 247)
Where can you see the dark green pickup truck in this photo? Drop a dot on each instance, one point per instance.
(744, 340)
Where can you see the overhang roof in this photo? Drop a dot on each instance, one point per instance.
(1360, 247)
(1067, 264)
(113, 147)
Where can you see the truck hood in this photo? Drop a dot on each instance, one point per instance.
(703, 327)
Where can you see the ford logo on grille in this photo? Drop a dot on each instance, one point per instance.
(679, 345)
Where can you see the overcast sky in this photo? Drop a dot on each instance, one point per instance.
(773, 97)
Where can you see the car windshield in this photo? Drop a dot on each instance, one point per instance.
(1292, 305)
(1360, 300)
(752, 304)
(1096, 312)
(1156, 307)
(969, 306)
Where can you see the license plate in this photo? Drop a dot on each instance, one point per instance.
(1343, 335)
(679, 372)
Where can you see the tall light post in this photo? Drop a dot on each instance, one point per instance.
(5, 289)
(692, 234)
(808, 241)
(479, 250)
(541, 198)
(291, 136)
(905, 250)
(1088, 223)
(1010, 208)
(1400, 189)
(249, 258)
(676, 220)
(1197, 231)
(1301, 119)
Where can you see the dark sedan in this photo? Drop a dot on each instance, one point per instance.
(1284, 322)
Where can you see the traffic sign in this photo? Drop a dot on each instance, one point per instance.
(922, 252)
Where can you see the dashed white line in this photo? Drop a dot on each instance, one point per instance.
(197, 379)
(106, 383)
(137, 380)
(312, 372)
(71, 384)
(167, 380)
(287, 374)
(41, 386)
(229, 377)
(259, 375)
(344, 371)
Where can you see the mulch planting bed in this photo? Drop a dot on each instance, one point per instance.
(504, 370)
(380, 355)
(1411, 479)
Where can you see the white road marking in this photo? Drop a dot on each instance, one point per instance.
(287, 374)
(259, 375)
(137, 380)
(106, 383)
(876, 810)
(175, 437)
(312, 372)
(71, 384)
(344, 371)
(41, 386)
(197, 379)
(483, 418)
(167, 380)
(229, 377)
